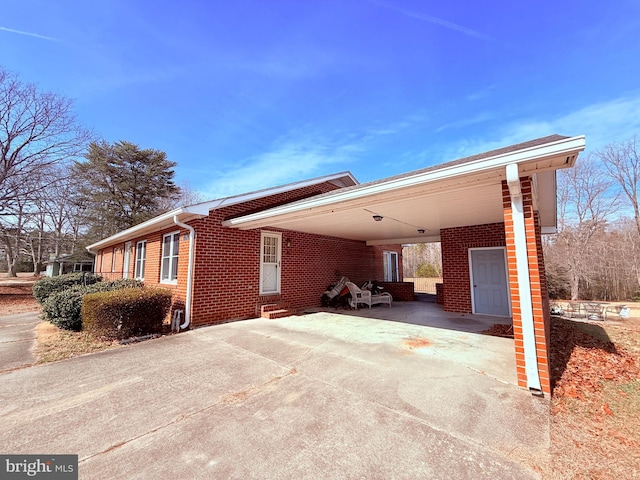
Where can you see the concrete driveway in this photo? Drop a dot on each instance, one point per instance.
(17, 340)
(322, 395)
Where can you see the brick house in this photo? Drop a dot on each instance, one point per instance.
(226, 258)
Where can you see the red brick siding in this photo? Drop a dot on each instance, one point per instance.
(152, 262)
(226, 284)
(539, 295)
(456, 243)
(400, 291)
(439, 293)
(227, 263)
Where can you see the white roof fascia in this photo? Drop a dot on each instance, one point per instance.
(556, 148)
(246, 197)
(199, 210)
(203, 209)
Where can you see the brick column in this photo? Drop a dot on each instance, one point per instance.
(539, 299)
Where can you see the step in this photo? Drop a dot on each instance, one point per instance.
(270, 307)
(273, 314)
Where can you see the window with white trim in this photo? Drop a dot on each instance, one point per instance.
(141, 258)
(390, 266)
(170, 248)
(113, 259)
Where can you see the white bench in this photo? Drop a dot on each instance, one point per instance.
(366, 297)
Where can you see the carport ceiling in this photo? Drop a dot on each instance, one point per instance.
(459, 193)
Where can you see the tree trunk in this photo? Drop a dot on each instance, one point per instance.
(13, 267)
(575, 283)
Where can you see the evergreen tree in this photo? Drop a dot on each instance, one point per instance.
(122, 186)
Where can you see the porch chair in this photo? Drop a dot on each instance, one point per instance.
(366, 297)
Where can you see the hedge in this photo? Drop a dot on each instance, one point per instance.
(64, 308)
(126, 313)
(47, 286)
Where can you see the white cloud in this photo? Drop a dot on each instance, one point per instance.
(291, 161)
(602, 123)
(437, 21)
(29, 34)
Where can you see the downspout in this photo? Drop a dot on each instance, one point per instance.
(524, 283)
(192, 238)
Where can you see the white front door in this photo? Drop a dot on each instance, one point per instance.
(270, 250)
(127, 254)
(489, 287)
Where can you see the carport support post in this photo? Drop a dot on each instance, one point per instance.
(520, 282)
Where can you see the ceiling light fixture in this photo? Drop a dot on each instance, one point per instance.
(378, 218)
(421, 230)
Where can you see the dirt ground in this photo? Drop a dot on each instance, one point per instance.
(16, 294)
(595, 418)
(595, 407)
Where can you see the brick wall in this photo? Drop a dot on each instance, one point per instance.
(539, 292)
(226, 285)
(439, 293)
(227, 263)
(456, 243)
(400, 291)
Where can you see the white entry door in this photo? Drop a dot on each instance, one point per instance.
(489, 288)
(271, 247)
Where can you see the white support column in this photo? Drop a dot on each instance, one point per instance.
(524, 284)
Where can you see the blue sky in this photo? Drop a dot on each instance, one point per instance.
(246, 94)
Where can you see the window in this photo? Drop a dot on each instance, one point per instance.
(141, 256)
(170, 247)
(390, 266)
(113, 259)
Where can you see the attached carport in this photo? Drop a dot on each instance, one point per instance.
(488, 210)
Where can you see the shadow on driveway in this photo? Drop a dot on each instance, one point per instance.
(314, 396)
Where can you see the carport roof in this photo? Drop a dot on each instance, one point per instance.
(467, 191)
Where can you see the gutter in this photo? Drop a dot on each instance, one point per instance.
(524, 283)
(190, 268)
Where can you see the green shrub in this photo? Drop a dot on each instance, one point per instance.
(47, 286)
(428, 270)
(126, 313)
(64, 308)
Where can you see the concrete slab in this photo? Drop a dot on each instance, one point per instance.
(316, 396)
(17, 340)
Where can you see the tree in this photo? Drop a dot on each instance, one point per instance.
(586, 202)
(419, 254)
(188, 196)
(37, 130)
(123, 186)
(428, 270)
(622, 162)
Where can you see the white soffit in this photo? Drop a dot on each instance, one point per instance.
(459, 194)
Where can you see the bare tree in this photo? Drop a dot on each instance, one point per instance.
(586, 201)
(622, 162)
(37, 131)
(420, 255)
(188, 196)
